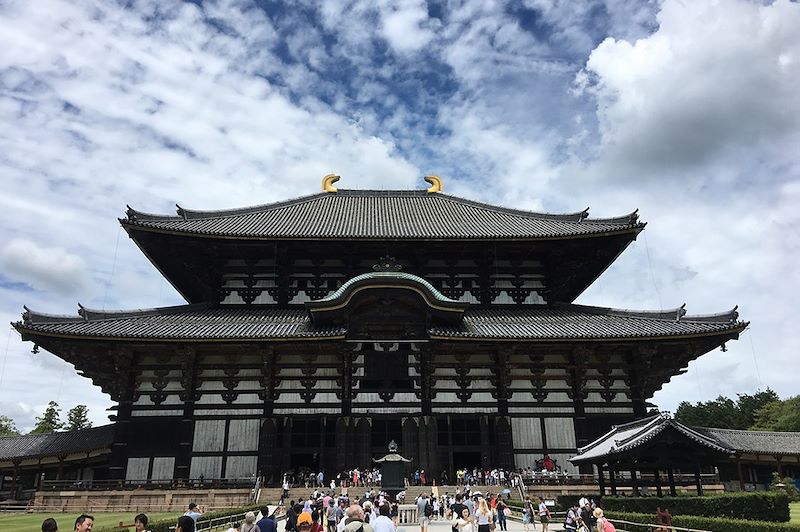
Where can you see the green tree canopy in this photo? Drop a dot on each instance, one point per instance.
(725, 413)
(779, 416)
(78, 418)
(7, 427)
(50, 420)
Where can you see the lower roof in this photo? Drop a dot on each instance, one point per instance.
(535, 323)
(626, 437)
(56, 443)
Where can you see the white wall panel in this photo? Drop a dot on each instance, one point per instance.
(208, 466)
(243, 434)
(526, 433)
(137, 469)
(163, 467)
(209, 435)
(560, 432)
(241, 466)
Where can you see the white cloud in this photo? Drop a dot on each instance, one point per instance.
(715, 77)
(43, 268)
(406, 25)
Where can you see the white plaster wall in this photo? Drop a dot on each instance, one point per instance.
(137, 468)
(208, 466)
(560, 432)
(241, 466)
(209, 435)
(526, 433)
(243, 434)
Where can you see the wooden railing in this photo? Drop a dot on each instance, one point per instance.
(108, 485)
(619, 524)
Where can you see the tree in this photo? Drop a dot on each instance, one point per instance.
(779, 416)
(750, 404)
(7, 427)
(50, 420)
(725, 413)
(77, 418)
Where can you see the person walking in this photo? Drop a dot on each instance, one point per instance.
(501, 509)
(464, 522)
(483, 516)
(544, 515)
(84, 523)
(249, 524)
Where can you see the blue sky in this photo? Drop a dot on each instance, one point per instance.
(684, 110)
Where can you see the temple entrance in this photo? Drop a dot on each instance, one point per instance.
(466, 459)
(304, 461)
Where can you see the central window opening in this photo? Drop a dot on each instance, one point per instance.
(386, 370)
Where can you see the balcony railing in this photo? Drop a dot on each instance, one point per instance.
(109, 485)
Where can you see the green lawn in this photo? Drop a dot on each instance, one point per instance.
(21, 522)
(794, 511)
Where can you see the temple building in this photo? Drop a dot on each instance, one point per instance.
(316, 330)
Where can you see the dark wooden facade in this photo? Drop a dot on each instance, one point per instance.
(362, 323)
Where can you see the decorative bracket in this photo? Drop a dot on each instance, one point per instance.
(328, 181)
(436, 183)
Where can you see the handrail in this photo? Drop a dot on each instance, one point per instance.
(651, 527)
(218, 522)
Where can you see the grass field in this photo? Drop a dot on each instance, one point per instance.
(20, 522)
(794, 510)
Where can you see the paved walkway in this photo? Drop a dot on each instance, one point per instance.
(443, 525)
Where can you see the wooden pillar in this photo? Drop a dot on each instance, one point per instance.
(634, 483)
(123, 361)
(14, 475)
(697, 480)
(671, 480)
(739, 472)
(601, 480)
(576, 380)
(780, 468)
(189, 380)
(426, 370)
(267, 465)
(612, 479)
(657, 476)
(347, 379)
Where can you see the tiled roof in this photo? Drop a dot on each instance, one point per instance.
(199, 322)
(752, 441)
(585, 322)
(623, 438)
(374, 214)
(56, 443)
(184, 322)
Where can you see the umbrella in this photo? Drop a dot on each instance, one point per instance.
(506, 491)
(474, 493)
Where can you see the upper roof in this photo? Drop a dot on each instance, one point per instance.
(623, 438)
(381, 214)
(56, 443)
(202, 322)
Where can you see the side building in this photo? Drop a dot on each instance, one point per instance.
(318, 329)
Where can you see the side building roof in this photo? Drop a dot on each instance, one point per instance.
(55, 443)
(378, 215)
(626, 437)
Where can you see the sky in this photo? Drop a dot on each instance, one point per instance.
(686, 110)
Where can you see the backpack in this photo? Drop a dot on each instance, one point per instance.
(428, 509)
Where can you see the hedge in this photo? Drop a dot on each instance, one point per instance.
(165, 524)
(759, 506)
(714, 524)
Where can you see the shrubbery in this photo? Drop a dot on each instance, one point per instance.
(758, 506)
(714, 524)
(164, 524)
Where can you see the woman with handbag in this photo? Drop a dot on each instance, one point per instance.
(484, 516)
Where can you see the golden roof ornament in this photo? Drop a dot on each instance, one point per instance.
(328, 181)
(436, 183)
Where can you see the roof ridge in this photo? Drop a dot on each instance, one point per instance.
(134, 215)
(86, 314)
(673, 314)
(784, 433)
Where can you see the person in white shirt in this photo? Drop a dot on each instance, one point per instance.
(383, 522)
